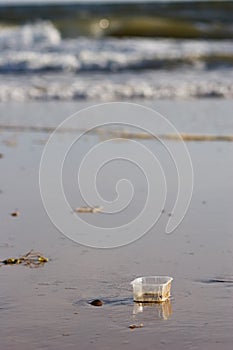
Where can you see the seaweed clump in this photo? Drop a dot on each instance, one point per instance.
(30, 259)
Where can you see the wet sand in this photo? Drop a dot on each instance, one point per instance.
(48, 307)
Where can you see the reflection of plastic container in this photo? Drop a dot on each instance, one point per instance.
(151, 289)
(153, 310)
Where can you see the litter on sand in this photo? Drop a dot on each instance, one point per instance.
(31, 259)
(133, 326)
(151, 289)
(89, 210)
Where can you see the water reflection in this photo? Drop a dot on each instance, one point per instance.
(154, 310)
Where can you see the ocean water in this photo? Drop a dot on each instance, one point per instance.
(116, 51)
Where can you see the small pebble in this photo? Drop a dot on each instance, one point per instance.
(15, 213)
(1, 155)
(96, 302)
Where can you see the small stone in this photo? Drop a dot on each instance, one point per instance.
(96, 302)
(1, 155)
(15, 214)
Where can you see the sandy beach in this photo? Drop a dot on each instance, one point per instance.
(48, 307)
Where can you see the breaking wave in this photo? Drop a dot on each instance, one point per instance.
(160, 85)
(39, 47)
(36, 62)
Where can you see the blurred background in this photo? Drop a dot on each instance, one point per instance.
(57, 58)
(115, 50)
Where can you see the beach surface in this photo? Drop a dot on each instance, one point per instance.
(48, 307)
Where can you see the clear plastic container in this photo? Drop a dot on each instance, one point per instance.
(151, 289)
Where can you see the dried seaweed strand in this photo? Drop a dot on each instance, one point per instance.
(31, 259)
